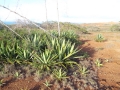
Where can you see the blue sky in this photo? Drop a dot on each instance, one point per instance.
(77, 11)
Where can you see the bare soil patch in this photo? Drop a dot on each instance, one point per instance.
(109, 53)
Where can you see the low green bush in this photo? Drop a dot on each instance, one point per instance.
(115, 27)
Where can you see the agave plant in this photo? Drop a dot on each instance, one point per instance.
(24, 56)
(1, 82)
(8, 52)
(64, 50)
(45, 60)
(17, 75)
(98, 63)
(47, 84)
(83, 70)
(36, 42)
(60, 74)
(67, 35)
(100, 38)
(71, 36)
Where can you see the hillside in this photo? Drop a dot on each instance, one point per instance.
(103, 26)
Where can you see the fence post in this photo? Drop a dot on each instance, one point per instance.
(46, 14)
(58, 19)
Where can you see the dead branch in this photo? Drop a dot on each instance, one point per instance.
(27, 20)
(10, 29)
(23, 17)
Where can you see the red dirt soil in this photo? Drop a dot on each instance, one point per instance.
(109, 53)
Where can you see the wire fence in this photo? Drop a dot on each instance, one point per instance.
(14, 11)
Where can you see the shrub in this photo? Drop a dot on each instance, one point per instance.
(40, 50)
(68, 35)
(8, 52)
(115, 27)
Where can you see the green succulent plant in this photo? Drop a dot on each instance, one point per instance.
(98, 63)
(1, 82)
(83, 70)
(47, 84)
(45, 61)
(60, 74)
(99, 38)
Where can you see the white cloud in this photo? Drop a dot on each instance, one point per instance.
(69, 10)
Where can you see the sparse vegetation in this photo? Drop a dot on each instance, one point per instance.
(48, 54)
(98, 63)
(1, 82)
(115, 27)
(47, 84)
(44, 53)
(60, 74)
(17, 75)
(83, 70)
(99, 38)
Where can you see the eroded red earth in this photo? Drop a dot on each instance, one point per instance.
(109, 53)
